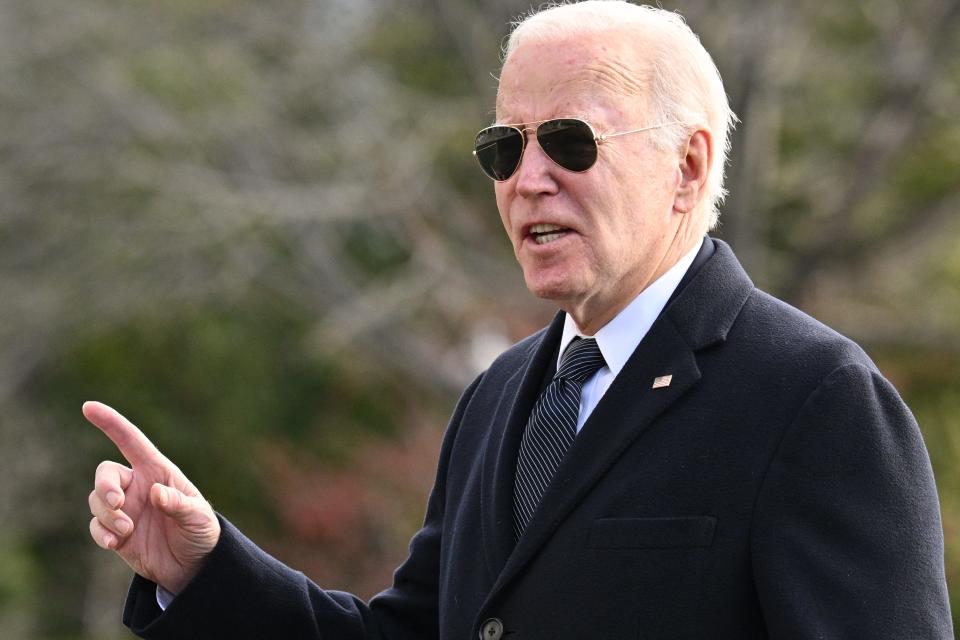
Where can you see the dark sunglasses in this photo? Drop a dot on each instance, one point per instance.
(570, 142)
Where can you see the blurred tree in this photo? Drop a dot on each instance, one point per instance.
(258, 229)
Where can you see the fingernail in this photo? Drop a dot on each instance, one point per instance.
(163, 497)
(122, 526)
(113, 499)
(109, 541)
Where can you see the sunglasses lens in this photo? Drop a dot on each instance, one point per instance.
(498, 150)
(569, 143)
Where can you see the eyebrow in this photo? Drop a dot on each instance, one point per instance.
(536, 122)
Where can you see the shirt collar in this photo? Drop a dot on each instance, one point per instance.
(618, 339)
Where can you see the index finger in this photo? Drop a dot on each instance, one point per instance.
(131, 442)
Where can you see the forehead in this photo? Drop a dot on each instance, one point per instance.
(573, 76)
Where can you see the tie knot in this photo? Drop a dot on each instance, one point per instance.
(581, 360)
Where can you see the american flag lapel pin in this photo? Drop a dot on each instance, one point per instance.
(661, 382)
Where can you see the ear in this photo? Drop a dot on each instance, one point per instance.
(695, 163)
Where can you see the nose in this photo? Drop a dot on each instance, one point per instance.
(536, 173)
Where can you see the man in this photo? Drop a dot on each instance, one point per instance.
(678, 455)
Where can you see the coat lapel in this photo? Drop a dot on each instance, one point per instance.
(699, 316)
(500, 456)
(627, 409)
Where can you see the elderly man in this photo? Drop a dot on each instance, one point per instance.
(678, 455)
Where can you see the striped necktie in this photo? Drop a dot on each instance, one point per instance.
(552, 428)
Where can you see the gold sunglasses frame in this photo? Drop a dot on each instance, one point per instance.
(523, 127)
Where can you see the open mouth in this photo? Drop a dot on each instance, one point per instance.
(546, 233)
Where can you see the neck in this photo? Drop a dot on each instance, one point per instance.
(592, 313)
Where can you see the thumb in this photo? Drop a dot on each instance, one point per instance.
(173, 502)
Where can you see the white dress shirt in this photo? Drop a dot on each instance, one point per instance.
(618, 339)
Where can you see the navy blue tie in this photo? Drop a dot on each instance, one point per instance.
(552, 428)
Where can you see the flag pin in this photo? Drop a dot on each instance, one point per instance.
(661, 382)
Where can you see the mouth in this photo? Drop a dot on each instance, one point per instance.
(546, 233)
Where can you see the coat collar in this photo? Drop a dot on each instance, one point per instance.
(705, 308)
(699, 315)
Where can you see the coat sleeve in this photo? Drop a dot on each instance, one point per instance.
(243, 592)
(846, 538)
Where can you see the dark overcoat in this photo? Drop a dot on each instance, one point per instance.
(778, 487)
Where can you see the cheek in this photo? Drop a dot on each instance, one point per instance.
(503, 204)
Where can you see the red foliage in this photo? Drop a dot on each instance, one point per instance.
(347, 527)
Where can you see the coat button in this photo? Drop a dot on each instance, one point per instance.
(491, 629)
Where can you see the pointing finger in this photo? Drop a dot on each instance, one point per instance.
(131, 442)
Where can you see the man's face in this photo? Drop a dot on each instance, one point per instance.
(620, 230)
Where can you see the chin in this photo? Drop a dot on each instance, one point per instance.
(555, 289)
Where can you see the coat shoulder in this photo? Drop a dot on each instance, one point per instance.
(778, 333)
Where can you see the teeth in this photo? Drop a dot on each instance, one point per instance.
(544, 232)
(545, 228)
(547, 237)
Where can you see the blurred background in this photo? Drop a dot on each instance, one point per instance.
(257, 230)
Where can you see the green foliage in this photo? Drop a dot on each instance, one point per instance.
(210, 385)
(930, 169)
(417, 52)
(18, 574)
(375, 249)
(846, 26)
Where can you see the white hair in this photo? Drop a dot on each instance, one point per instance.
(684, 84)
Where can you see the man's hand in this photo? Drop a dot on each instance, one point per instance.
(150, 514)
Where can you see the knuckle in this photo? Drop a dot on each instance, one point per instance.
(102, 526)
(104, 467)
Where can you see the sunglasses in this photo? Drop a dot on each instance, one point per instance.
(570, 142)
